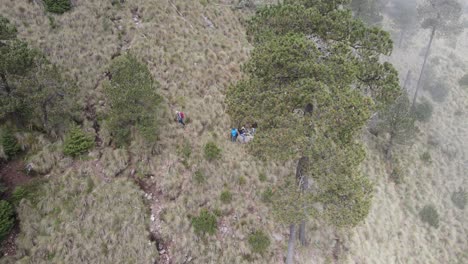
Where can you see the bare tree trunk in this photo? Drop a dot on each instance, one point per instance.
(292, 238)
(400, 41)
(303, 182)
(422, 69)
(388, 152)
(407, 80)
(302, 233)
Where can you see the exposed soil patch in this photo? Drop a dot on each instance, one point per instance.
(8, 246)
(12, 174)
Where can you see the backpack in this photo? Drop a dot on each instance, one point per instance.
(182, 116)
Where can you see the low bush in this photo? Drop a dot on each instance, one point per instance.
(430, 215)
(423, 111)
(259, 242)
(57, 6)
(397, 175)
(460, 198)
(226, 196)
(205, 223)
(439, 90)
(6, 218)
(464, 80)
(426, 157)
(212, 152)
(242, 180)
(267, 195)
(199, 177)
(262, 177)
(77, 142)
(10, 144)
(30, 191)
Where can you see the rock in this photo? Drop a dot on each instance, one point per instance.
(277, 237)
(152, 218)
(162, 252)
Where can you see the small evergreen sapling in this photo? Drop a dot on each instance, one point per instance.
(6, 218)
(77, 142)
(57, 6)
(10, 144)
(205, 223)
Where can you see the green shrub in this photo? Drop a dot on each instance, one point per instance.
(10, 144)
(439, 90)
(464, 80)
(262, 177)
(423, 111)
(267, 195)
(226, 196)
(6, 218)
(242, 180)
(28, 191)
(77, 142)
(460, 198)
(426, 157)
(57, 6)
(259, 242)
(205, 223)
(199, 177)
(397, 175)
(430, 215)
(212, 152)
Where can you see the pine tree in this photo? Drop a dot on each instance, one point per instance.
(77, 142)
(133, 99)
(313, 80)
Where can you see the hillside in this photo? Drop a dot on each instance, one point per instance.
(195, 50)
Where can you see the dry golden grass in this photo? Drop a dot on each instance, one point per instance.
(80, 219)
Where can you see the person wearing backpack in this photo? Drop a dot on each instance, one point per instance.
(180, 117)
(234, 134)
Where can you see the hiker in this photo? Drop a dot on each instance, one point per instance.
(180, 117)
(234, 134)
(242, 133)
(254, 127)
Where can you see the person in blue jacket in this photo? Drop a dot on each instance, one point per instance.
(234, 134)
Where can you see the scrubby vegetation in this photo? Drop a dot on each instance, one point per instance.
(259, 242)
(426, 157)
(438, 90)
(423, 111)
(9, 144)
(77, 142)
(430, 215)
(57, 6)
(460, 198)
(70, 221)
(6, 218)
(205, 223)
(211, 151)
(199, 177)
(226, 196)
(464, 80)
